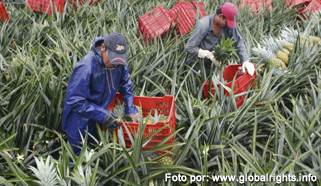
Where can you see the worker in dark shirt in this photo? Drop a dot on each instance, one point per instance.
(209, 31)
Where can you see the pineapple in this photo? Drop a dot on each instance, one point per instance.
(166, 160)
(283, 56)
(149, 120)
(140, 110)
(286, 51)
(315, 40)
(289, 46)
(224, 50)
(277, 62)
(268, 56)
(156, 118)
(119, 109)
(276, 46)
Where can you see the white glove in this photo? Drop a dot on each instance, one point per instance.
(249, 67)
(206, 54)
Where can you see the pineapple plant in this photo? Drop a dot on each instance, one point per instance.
(165, 160)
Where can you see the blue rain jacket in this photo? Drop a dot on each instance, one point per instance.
(91, 88)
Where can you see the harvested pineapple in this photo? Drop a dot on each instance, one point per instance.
(286, 51)
(289, 46)
(276, 46)
(277, 62)
(156, 118)
(119, 109)
(269, 56)
(166, 160)
(315, 40)
(283, 56)
(140, 110)
(224, 50)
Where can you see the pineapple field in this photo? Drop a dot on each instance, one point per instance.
(275, 131)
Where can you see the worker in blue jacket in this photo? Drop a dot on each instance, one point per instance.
(209, 31)
(92, 87)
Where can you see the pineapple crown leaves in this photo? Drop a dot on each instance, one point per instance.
(224, 49)
(119, 109)
(156, 116)
(263, 52)
(289, 34)
(45, 172)
(271, 44)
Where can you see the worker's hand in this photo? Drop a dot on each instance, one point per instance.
(206, 54)
(110, 121)
(249, 67)
(135, 117)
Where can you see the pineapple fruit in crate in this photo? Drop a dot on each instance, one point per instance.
(119, 109)
(269, 57)
(156, 118)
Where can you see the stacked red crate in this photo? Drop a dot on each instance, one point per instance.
(311, 8)
(199, 6)
(294, 3)
(45, 6)
(256, 5)
(155, 23)
(3, 13)
(184, 14)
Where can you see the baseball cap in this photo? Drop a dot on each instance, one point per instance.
(116, 46)
(230, 12)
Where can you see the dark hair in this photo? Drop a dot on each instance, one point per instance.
(219, 11)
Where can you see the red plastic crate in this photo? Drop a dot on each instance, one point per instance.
(164, 105)
(242, 82)
(200, 6)
(256, 5)
(44, 6)
(3, 13)
(294, 3)
(313, 6)
(154, 23)
(183, 13)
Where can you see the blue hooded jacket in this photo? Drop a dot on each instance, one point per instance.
(91, 88)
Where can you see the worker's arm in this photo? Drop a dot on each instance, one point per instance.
(125, 89)
(78, 93)
(199, 33)
(240, 46)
